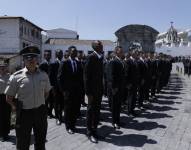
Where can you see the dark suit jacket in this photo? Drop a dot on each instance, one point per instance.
(69, 80)
(44, 66)
(116, 73)
(133, 73)
(143, 70)
(93, 75)
(54, 73)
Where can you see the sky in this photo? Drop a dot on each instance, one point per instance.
(100, 19)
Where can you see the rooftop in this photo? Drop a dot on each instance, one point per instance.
(75, 42)
(19, 17)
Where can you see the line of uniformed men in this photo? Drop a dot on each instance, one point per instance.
(129, 81)
(134, 79)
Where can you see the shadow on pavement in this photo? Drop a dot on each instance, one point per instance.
(145, 125)
(161, 108)
(135, 140)
(166, 102)
(167, 97)
(149, 115)
(117, 138)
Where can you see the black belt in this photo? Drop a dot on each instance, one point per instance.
(33, 109)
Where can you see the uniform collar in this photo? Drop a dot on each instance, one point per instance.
(58, 60)
(98, 55)
(27, 72)
(118, 58)
(45, 61)
(141, 59)
(72, 59)
(132, 58)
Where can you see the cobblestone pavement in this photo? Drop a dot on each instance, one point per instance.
(165, 125)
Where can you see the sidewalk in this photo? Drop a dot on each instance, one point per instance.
(165, 125)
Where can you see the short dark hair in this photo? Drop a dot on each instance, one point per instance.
(58, 51)
(95, 44)
(71, 47)
(116, 48)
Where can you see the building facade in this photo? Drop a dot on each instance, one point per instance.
(174, 42)
(63, 38)
(17, 33)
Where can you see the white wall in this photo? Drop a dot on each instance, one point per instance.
(175, 51)
(9, 35)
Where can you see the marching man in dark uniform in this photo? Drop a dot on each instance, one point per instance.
(31, 86)
(5, 109)
(132, 81)
(55, 91)
(93, 80)
(45, 66)
(116, 78)
(81, 59)
(70, 79)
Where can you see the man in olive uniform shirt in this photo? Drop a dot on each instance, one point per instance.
(31, 87)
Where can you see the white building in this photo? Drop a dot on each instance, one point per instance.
(62, 39)
(17, 33)
(174, 42)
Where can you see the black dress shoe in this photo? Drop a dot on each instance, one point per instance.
(116, 126)
(58, 122)
(1, 139)
(50, 116)
(93, 139)
(70, 131)
(4, 138)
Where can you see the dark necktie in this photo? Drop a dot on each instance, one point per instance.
(74, 66)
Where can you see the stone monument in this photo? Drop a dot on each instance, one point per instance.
(142, 37)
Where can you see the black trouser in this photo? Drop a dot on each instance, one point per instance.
(131, 99)
(29, 119)
(109, 95)
(58, 104)
(50, 103)
(141, 96)
(116, 106)
(143, 93)
(72, 108)
(5, 114)
(153, 87)
(82, 96)
(93, 114)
